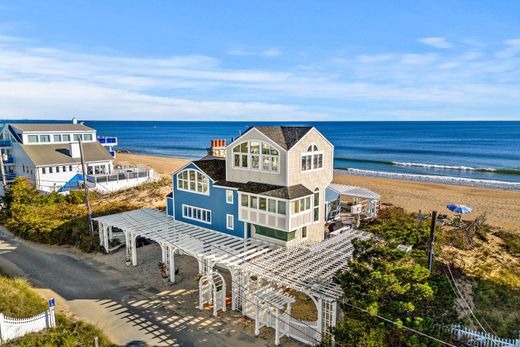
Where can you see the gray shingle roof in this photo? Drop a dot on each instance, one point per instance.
(284, 136)
(51, 127)
(214, 168)
(55, 154)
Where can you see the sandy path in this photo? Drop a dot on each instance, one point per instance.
(502, 207)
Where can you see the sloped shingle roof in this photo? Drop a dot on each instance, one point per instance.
(51, 127)
(55, 154)
(285, 136)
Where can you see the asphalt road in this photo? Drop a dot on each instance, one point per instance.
(100, 294)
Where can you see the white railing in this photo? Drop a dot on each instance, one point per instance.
(11, 328)
(479, 339)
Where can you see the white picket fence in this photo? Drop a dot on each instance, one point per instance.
(11, 328)
(479, 339)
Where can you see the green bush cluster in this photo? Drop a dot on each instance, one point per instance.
(395, 224)
(384, 281)
(17, 299)
(51, 218)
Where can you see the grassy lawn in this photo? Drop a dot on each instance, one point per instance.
(17, 299)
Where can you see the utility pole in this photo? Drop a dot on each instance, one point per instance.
(432, 240)
(87, 198)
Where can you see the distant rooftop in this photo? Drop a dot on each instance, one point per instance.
(55, 154)
(51, 127)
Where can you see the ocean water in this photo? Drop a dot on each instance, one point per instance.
(466, 153)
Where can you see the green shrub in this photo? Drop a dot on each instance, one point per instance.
(52, 218)
(394, 223)
(511, 241)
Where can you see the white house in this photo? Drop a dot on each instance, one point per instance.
(49, 156)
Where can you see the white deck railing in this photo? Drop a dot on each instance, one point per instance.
(11, 328)
(479, 339)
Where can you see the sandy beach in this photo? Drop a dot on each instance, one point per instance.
(502, 207)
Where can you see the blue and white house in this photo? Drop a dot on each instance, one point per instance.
(267, 184)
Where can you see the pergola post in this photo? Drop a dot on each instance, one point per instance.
(128, 245)
(320, 310)
(133, 242)
(106, 237)
(164, 253)
(171, 263)
(101, 228)
(257, 318)
(277, 327)
(110, 233)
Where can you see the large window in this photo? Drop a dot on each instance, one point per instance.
(264, 204)
(301, 205)
(77, 137)
(87, 137)
(32, 138)
(312, 159)
(66, 137)
(256, 155)
(56, 138)
(193, 181)
(45, 138)
(196, 213)
(275, 233)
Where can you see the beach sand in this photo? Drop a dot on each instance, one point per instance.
(502, 207)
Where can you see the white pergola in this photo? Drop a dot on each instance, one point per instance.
(308, 268)
(354, 191)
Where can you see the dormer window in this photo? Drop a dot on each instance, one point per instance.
(312, 159)
(256, 155)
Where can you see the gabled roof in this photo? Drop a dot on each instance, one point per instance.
(51, 127)
(214, 168)
(55, 154)
(284, 136)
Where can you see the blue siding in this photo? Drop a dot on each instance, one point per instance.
(215, 202)
(169, 206)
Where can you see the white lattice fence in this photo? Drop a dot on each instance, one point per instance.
(11, 328)
(480, 339)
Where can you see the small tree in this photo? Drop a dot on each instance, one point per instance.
(384, 281)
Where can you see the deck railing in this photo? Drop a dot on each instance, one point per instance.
(480, 339)
(108, 140)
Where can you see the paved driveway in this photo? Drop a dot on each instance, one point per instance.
(119, 304)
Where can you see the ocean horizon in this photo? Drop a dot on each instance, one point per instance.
(474, 153)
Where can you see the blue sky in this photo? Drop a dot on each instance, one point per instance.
(269, 60)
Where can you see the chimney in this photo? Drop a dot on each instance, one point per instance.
(218, 148)
(74, 120)
(74, 150)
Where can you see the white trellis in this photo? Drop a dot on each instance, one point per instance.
(212, 290)
(307, 268)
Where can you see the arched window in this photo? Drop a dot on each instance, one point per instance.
(312, 159)
(193, 181)
(316, 204)
(256, 155)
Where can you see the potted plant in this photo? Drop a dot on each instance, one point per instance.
(163, 270)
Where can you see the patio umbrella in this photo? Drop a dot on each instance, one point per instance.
(460, 209)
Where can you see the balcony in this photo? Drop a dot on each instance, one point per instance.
(5, 144)
(107, 140)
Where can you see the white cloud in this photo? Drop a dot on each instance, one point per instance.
(270, 52)
(436, 42)
(60, 82)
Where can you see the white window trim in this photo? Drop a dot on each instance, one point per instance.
(232, 227)
(229, 193)
(260, 156)
(196, 182)
(304, 211)
(287, 204)
(197, 208)
(311, 154)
